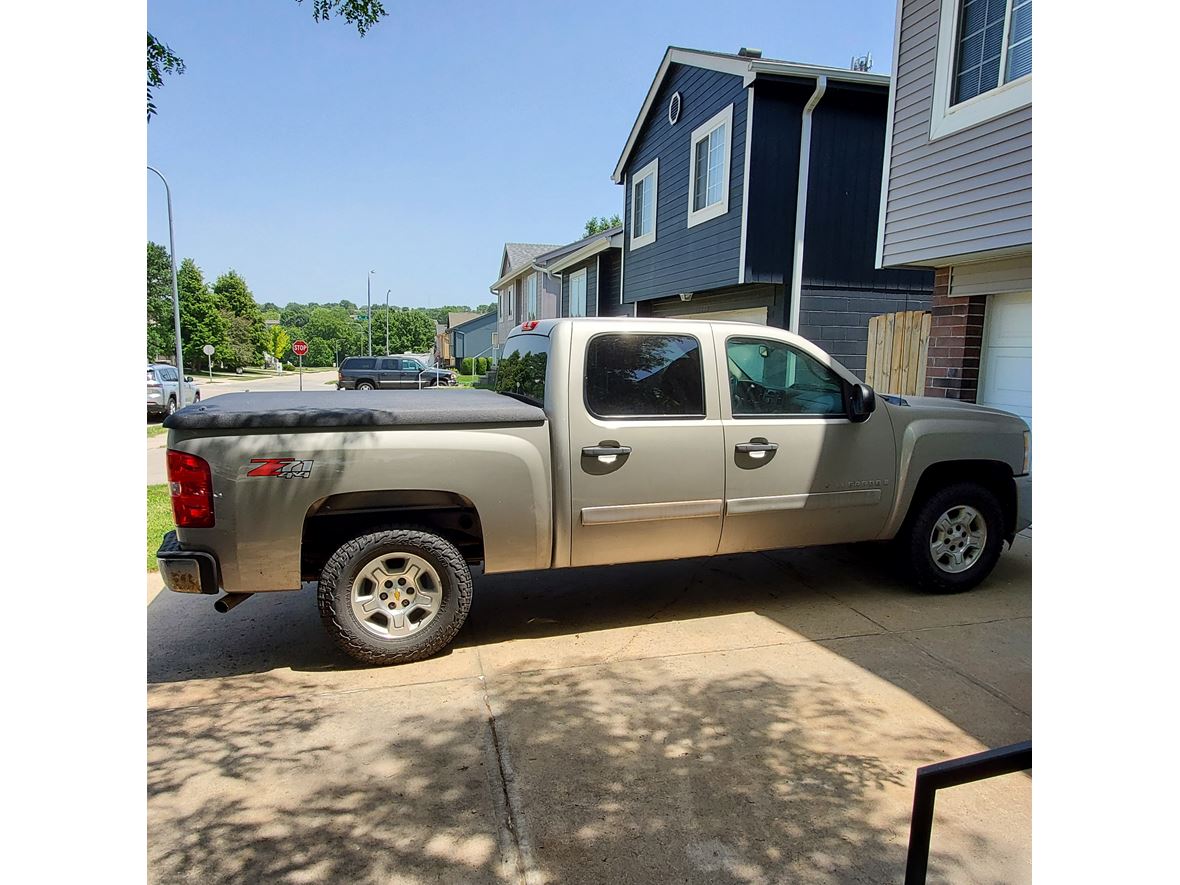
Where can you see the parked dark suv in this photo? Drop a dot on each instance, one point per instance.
(389, 373)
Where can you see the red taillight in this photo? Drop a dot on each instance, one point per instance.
(529, 326)
(191, 483)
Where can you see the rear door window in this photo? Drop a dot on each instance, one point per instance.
(644, 376)
(391, 365)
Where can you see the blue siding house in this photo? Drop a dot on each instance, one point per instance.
(473, 337)
(751, 189)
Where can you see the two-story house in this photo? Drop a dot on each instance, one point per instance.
(751, 189)
(958, 195)
(588, 271)
(524, 291)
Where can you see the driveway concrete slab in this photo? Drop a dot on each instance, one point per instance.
(387, 785)
(789, 764)
(272, 645)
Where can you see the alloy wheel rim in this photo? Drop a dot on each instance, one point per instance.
(958, 539)
(396, 595)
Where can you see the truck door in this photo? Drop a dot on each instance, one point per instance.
(389, 374)
(645, 445)
(797, 470)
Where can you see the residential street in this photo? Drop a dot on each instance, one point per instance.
(753, 718)
(157, 470)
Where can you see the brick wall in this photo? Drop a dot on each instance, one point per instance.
(956, 340)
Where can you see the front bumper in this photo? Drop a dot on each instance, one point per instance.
(186, 571)
(1023, 502)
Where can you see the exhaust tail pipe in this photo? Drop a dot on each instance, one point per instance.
(230, 601)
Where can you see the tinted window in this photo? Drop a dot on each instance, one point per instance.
(391, 364)
(630, 375)
(523, 367)
(359, 364)
(770, 378)
(167, 373)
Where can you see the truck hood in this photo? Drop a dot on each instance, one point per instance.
(935, 407)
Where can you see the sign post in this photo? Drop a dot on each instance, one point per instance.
(208, 351)
(300, 348)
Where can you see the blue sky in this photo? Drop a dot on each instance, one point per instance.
(303, 156)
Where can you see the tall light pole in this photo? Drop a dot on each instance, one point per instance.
(387, 291)
(369, 305)
(175, 294)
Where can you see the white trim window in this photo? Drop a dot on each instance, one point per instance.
(578, 293)
(506, 303)
(645, 187)
(984, 63)
(708, 168)
(530, 289)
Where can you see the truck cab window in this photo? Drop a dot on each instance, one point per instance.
(642, 376)
(523, 367)
(768, 377)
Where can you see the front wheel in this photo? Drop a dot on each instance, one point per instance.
(394, 596)
(954, 539)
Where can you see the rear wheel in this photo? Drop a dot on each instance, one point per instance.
(364, 385)
(395, 596)
(954, 539)
(172, 405)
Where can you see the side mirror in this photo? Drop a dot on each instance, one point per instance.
(188, 378)
(860, 401)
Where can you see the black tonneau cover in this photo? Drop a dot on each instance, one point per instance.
(354, 408)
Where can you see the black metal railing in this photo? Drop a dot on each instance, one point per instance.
(952, 773)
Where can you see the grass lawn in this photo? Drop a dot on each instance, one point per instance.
(156, 430)
(159, 520)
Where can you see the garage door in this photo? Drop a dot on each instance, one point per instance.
(1006, 365)
(741, 315)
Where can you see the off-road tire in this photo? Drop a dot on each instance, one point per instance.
(913, 543)
(335, 590)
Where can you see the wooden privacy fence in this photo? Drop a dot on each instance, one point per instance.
(896, 355)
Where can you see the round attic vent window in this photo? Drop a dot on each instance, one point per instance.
(674, 108)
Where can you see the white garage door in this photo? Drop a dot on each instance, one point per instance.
(742, 315)
(1006, 366)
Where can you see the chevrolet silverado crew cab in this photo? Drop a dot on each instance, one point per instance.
(608, 440)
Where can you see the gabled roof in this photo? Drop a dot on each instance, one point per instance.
(587, 247)
(459, 317)
(518, 255)
(743, 66)
(476, 319)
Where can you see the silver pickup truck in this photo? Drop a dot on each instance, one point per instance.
(607, 441)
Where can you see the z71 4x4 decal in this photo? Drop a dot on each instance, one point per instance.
(287, 468)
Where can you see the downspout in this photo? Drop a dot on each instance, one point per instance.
(821, 86)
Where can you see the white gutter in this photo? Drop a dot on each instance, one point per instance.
(821, 86)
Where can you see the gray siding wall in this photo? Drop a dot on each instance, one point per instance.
(504, 325)
(686, 258)
(838, 319)
(549, 297)
(475, 341)
(590, 265)
(965, 193)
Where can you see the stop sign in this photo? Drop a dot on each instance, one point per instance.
(299, 347)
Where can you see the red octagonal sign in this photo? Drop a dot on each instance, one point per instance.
(299, 347)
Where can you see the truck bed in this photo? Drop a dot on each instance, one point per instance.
(353, 408)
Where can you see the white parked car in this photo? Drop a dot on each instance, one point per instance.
(163, 383)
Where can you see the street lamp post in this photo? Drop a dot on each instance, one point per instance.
(387, 291)
(175, 294)
(369, 304)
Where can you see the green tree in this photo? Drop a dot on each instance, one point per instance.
(277, 341)
(410, 331)
(245, 328)
(319, 353)
(161, 334)
(361, 14)
(598, 225)
(490, 307)
(201, 322)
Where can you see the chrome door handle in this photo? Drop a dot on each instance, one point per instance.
(756, 448)
(605, 451)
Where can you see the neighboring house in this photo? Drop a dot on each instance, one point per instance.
(751, 188)
(523, 291)
(473, 337)
(589, 275)
(442, 344)
(959, 190)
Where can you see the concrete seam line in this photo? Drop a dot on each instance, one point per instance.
(992, 690)
(527, 870)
